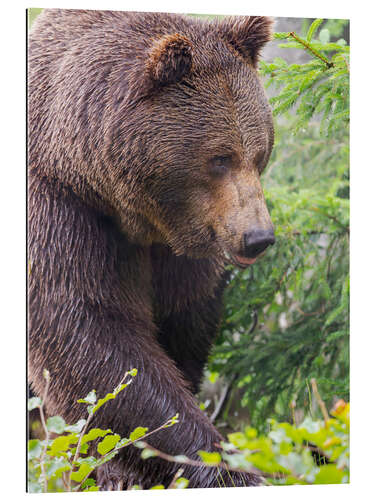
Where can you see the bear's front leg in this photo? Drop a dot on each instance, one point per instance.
(187, 307)
(90, 321)
(156, 394)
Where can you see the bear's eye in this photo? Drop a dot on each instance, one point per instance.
(219, 165)
(260, 160)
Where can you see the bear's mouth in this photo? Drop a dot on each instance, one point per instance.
(239, 260)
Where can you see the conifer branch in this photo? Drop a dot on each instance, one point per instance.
(311, 49)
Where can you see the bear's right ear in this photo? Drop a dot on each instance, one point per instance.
(247, 35)
(170, 59)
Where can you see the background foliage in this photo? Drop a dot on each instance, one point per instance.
(286, 318)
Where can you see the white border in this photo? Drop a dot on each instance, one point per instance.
(12, 428)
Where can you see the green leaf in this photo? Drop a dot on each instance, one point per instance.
(88, 483)
(251, 433)
(342, 42)
(147, 453)
(138, 433)
(213, 376)
(34, 448)
(62, 443)
(311, 426)
(181, 483)
(280, 36)
(158, 487)
(238, 439)
(77, 427)
(286, 104)
(110, 395)
(56, 424)
(314, 26)
(123, 442)
(89, 399)
(91, 461)
(336, 335)
(56, 467)
(33, 487)
(94, 434)
(81, 473)
(324, 35)
(291, 45)
(102, 401)
(84, 448)
(173, 421)
(108, 457)
(328, 47)
(279, 436)
(329, 474)
(34, 403)
(108, 443)
(210, 458)
(139, 444)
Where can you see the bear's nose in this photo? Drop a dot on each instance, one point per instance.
(257, 240)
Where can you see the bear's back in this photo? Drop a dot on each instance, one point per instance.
(56, 30)
(74, 57)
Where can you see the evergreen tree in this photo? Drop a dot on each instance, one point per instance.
(286, 318)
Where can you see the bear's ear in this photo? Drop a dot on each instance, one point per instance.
(247, 35)
(170, 59)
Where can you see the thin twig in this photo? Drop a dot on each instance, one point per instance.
(175, 477)
(346, 64)
(332, 217)
(222, 400)
(312, 313)
(255, 322)
(311, 49)
(309, 233)
(76, 455)
(292, 406)
(78, 448)
(128, 443)
(64, 477)
(320, 401)
(42, 419)
(197, 463)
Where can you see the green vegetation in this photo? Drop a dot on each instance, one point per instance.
(286, 318)
(315, 452)
(32, 14)
(65, 462)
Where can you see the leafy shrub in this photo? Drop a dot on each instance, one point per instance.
(313, 452)
(287, 455)
(62, 463)
(318, 86)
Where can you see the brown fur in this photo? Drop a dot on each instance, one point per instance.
(130, 215)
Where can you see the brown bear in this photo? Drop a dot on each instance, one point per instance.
(147, 137)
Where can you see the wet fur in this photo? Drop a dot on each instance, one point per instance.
(124, 270)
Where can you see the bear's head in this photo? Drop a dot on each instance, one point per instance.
(191, 139)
